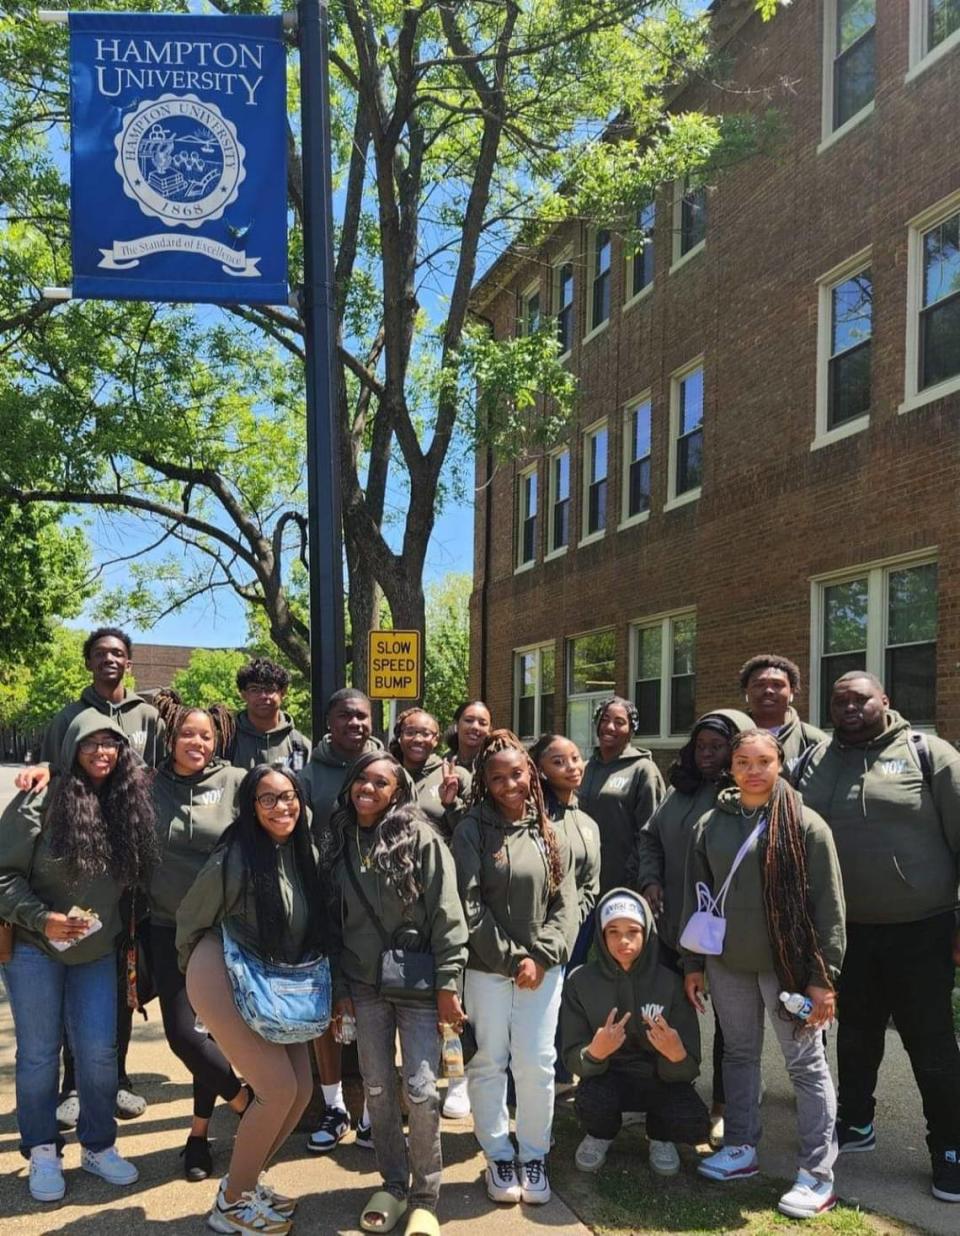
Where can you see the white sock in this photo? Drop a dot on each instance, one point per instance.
(365, 1118)
(333, 1096)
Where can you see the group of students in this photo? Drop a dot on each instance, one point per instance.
(553, 897)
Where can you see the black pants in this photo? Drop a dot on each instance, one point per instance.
(212, 1074)
(675, 1112)
(903, 969)
(671, 958)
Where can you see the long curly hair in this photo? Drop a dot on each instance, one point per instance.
(257, 852)
(394, 748)
(506, 740)
(110, 831)
(797, 958)
(393, 853)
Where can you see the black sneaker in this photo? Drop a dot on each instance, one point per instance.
(855, 1139)
(365, 1136)
(197, 1159)
(946, 1175)
(334, 1124)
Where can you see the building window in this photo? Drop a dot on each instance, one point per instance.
(689, 216)
(883, 620)
(934, 29)
(640, 270)
(636, 459)
(686, 444)
(848, 377)
(559, 532)
(663, 656)
(590, 679)
(600, 280)
(533, 691)
(530, 310)
(564, 303)
(595, 480)
(940, 305)
(851, 40)
(527, 517)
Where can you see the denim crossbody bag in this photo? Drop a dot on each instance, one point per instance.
(282, 1003)
(706, 927)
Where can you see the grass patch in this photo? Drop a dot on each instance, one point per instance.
(626, 1198)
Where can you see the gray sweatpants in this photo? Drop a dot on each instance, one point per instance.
(740, 1000)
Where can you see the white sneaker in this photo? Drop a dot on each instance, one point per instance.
(730, 1163)
(592, 1153)
(68, 1112)
(46, 1174)
(249, 1213)
(534, 1185)
(278, 1202)
(456, 1103)
(109, 1166)
(664, 1159)
(502, 1183)
(808, 1198)
(130, 1105)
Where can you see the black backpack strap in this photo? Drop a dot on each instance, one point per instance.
(352, 877)
(922, 749)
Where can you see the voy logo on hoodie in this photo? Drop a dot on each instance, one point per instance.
(208, 798)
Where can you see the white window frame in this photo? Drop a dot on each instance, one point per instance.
(824, 436)
(596, 328)
(571, 697)
(665, 620)
(829, 134)
(552, 500)
(691, 495)
(920, 57)
(877, 614)
(632, 298)
(526, 650)
(627, 520)
(678, 259)
(564, 258)
(586, 537)
(522, 477)
(913, 396)
(526, 295)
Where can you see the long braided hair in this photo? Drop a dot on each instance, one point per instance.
(786, 892)
(505, 740)
(173, 712)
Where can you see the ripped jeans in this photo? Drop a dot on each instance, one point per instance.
(408, 1171)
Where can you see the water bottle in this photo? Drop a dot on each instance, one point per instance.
(452, 1052)
(800, 1006)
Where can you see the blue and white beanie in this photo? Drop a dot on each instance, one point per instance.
(622, 906)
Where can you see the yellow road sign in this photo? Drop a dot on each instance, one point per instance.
(396, 665)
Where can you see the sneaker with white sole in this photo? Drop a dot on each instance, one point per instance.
(249, 1213)
(279, 1203)
(808, 1197)
(109, 1165)
(364, 1136)
(856, 1139)
(534, 1185)
(664, 1159)
(46, 1174)
(456, 1102)
(591, 1154)
(130, 1105)
(730, 1163)
(334, 1125)
(502, 1183)
(68, 1112)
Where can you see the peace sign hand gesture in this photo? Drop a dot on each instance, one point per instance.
(450, 785)
(609, 1037)
(662, 1036)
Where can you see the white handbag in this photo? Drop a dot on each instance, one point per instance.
(706, 927)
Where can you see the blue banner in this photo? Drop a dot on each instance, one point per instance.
(178, 178)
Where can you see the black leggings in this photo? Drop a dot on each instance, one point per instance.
(212, 1074)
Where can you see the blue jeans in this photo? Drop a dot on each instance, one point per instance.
(46, 996)
(515, 1029)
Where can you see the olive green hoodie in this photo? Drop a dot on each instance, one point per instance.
(192, 813)
(503, 875)
(583, 837)
(621, 796)
(33, 883)
(436, 916)
(795, 737)
(898, 838)
(219, 895)
(283, 747)
(138, 721)
(716, 839)
(593, 989)
(324, 776)
(426, 787)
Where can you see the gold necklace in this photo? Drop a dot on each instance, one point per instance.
(365, 860)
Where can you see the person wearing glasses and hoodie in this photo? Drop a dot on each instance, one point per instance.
(264, 733)
(66, 855)
(629, 1034)
(441, 788)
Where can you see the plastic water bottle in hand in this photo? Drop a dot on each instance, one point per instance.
(800, 1006)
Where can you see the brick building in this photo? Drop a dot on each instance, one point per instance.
(766, 451)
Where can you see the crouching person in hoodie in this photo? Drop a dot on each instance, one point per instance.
(628, 1032)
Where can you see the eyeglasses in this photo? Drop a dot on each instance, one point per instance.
(411, 732)
(262, 688)
(269, 801)
(90, 746)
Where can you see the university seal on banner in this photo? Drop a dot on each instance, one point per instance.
(180, 160)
